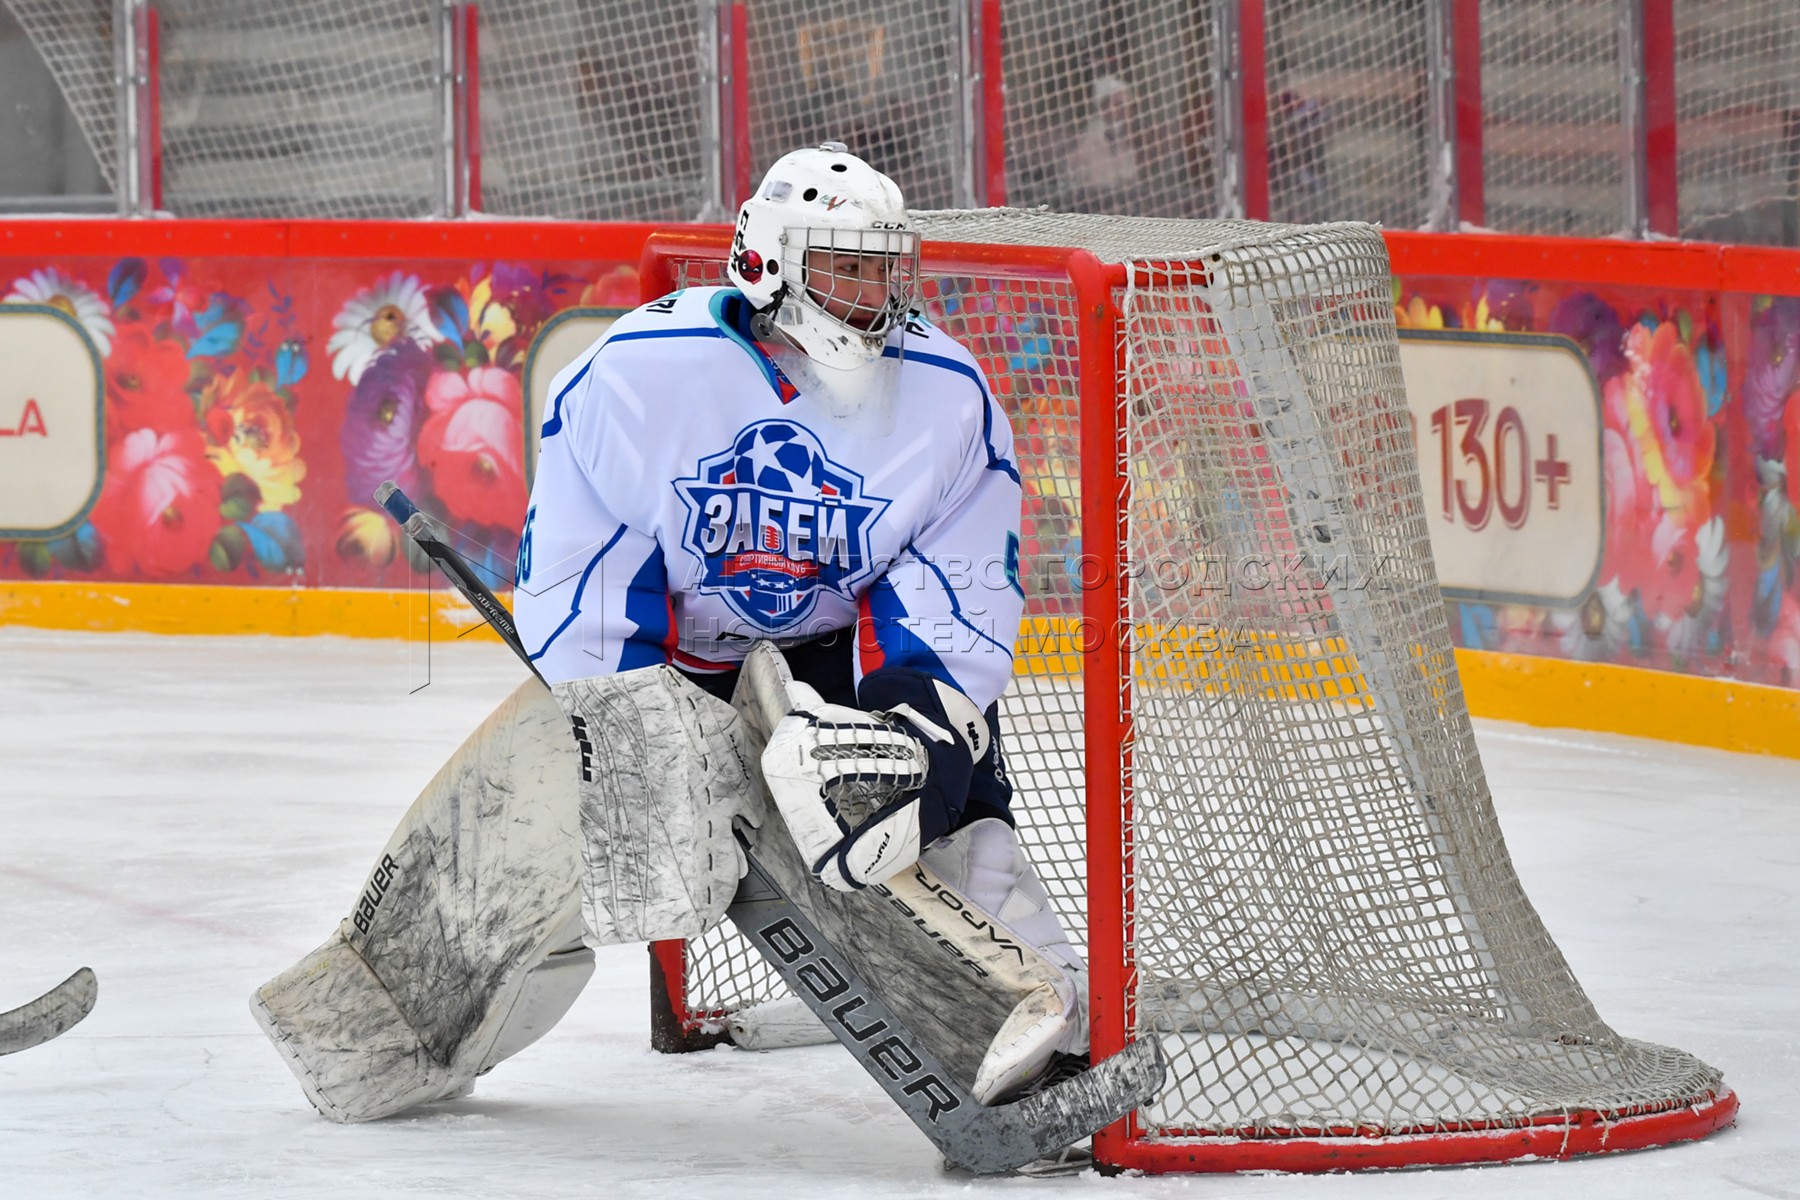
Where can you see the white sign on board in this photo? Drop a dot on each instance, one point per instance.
(52, 446)
(1508, 429)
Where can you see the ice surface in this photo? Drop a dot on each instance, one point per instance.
(189, 816)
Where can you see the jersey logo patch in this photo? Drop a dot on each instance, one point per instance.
(775, 521)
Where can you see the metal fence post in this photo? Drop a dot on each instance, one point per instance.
(731, 53)
(1228, 108)
(965, 185)
(1662, 183)
(980, 151)
(1440, 94)
(135, 59)
(711, 34)
(1241, 108)
(1647, 74)
(465, 44)
(1470, 113)
(988, 104)
(1631, 117)
(449, 202)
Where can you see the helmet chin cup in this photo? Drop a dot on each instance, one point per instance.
(826, 243)
(859, 400)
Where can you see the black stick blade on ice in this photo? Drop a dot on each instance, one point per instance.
(52, 1013)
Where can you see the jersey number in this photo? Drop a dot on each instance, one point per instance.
(523, 571)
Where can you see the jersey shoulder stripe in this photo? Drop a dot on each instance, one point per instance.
(678, 312)
(955, 366)
(947, 354)
(646, 321)
(702, 314)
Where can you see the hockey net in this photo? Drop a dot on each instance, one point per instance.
(1243, 761)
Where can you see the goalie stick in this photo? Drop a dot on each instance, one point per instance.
(52, 1013)
(981, 1139)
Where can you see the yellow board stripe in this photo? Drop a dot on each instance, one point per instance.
(1602, 697)
(1606, 698)
(1284, 666)
(286, 612)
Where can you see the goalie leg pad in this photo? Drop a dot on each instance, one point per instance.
(477, 889)
(664, 773)
(549, 991)
(340, 1032)
(985, 862)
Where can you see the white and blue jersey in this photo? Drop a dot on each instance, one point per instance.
(690, 500)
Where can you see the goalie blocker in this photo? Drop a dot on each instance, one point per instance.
(1015, 996)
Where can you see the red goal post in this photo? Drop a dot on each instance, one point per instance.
(1280, 854)
(1089, 286)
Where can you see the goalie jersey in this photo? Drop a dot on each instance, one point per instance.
(691, 500)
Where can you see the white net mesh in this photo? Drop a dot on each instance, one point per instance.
(1325, 928)
(1106, 107)
(75, 38)
(592, 111)
(1553, 139)
(278, 109)
(1347, 112)
(1737, 87)
(881, 79)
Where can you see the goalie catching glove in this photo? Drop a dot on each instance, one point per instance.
(863, 792)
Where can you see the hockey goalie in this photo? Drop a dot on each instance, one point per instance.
(769, 580)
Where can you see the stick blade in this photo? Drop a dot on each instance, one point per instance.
(51, 1014)
(1009, 1136)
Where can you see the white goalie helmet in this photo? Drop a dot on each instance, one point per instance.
(827, 243)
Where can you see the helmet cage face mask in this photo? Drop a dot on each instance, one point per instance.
(846, 290)
(828, 256)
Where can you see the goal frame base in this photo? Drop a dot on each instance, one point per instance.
(674, 1029)
(1560, 1137)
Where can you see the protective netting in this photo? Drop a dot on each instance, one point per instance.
(1737, 89)
(274, 109)
(614, 109)
(1554, 151)
(1325, 929)
(1329, 935)
(1107, 107)
(75, 38)
(881, 79)
(593, 111)
(1347, 112)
